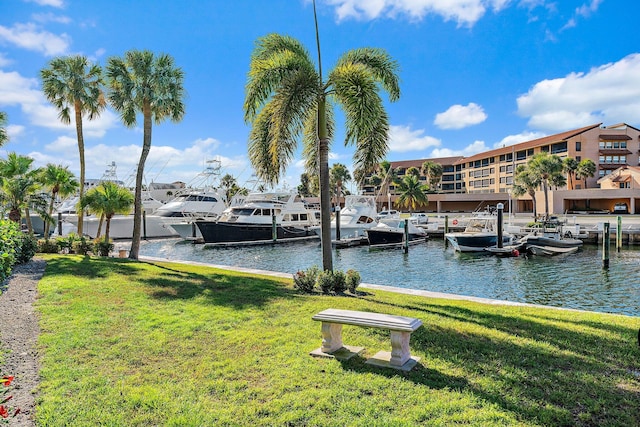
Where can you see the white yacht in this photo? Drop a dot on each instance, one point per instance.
(254, 219)
(357, 215)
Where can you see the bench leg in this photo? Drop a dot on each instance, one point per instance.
(331, 337)
(400, 348)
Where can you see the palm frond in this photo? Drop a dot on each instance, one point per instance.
(380, 65)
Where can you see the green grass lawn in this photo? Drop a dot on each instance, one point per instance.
(131, 343)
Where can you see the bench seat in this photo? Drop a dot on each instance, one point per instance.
(400, 327)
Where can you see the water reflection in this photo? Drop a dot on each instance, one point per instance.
(573, 281)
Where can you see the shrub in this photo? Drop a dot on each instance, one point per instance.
(102, 246)
(66, 243)
(48, 246)
(325, 281)
(306, 280)
(82, 246)
(339, 282)
(27, 247)
(353, 280)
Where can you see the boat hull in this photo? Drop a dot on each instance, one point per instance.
(222, 232)
(388, 237)
(551, 250)
(471, 242)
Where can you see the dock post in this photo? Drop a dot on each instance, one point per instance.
(59, 224)
(605, 245)
(619, 234)
(144, 224)
(406, 236)
(193, 229)
(499, 243)
(274, 228)
(338, 223)
(446, 230)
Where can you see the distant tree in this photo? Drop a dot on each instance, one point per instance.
(433, 171)
(526, 182)
(152, 85)
(286, 97)
(74, 85)
(586, 169)
(19, 188)
(570, 166)
(412, 193)
(230, 187)
(338, 173)
(59, 181)
(305, 187)
(413, 171)
(548, 167)
(106, 200)
(4, 137)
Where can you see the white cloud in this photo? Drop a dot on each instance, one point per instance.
(516, 139)
(14, 131)
(51, 17)
(609, 93)
(403, 139)
(587, 9)
(4, 61)
(460, 116)
(474, 148)
(463, 12)
(52, 3)
(30, 36)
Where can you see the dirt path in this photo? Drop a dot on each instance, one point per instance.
(18, 337)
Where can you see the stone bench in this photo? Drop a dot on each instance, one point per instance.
(400, 327)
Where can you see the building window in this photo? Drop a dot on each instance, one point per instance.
(578, 158)
(578, 146)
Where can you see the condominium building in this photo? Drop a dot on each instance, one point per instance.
(487, 178)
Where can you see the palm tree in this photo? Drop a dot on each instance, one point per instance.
(412, 193)
(19, 187)
(4, 137)
(525, 182)
(586, 169)
(60, 182)
(433, 171)
(73, 83)
(548, 167)
(152, 85)
(286, 97)
(106, 200)
(569, 166)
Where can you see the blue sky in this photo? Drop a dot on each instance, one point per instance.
(475, 74)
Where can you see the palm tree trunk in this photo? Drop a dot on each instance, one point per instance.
(546, 199)
(107, 226)
(27, 220)
(325, 196)
(137, 212)
(47, 224)
(78, 111)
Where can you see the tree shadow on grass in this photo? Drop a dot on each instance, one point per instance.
(542, 372)
(234, 290)
(86, 266)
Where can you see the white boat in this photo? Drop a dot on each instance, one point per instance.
(259, 217)
(357, 215)
(480, 232)
(391, 232)
(180, 213)
(549, 238)
(541, 250)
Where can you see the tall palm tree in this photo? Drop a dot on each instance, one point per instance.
(286, 97)
(570, 166)
(4, 137)
(152, 85)
(549, 169)
(433, 171)
(586, 169)
(525, 182)
(106, 200)
(412, 193)
(75, 86)
(19, 187)
(61, 182)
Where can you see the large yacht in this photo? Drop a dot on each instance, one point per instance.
(258, 216)
(357, 215)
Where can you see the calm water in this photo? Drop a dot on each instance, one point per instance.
(572, 281)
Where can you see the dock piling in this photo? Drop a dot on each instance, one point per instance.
(605, 245)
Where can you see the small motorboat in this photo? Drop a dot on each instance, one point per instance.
(391, 232)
